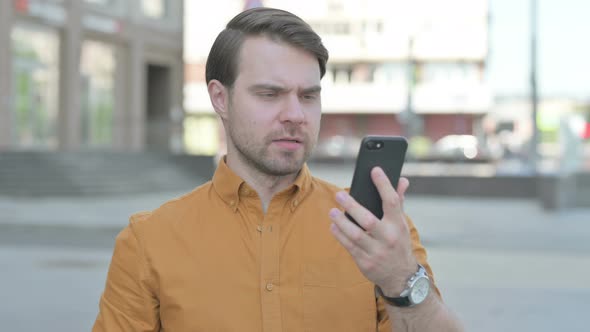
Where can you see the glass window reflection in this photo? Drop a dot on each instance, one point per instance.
(35, 75)
(156, 9)
(98, 88)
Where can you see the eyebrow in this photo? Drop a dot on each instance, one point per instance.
(271, 87)
(277, 88)
(313, 89)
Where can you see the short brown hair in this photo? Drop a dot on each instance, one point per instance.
(222, 62)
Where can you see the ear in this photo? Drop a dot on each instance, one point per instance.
(219, 96)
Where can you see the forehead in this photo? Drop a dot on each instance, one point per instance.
(262, 58)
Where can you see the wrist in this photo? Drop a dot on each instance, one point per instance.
(395, 285)
(417, 289)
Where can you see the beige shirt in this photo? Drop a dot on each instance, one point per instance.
(212, 260)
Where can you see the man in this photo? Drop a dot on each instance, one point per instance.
(261, 247)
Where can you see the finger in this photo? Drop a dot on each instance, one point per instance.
(355, 251)
(390, 199)
(402, 186)
(356, 235)
(359, 213)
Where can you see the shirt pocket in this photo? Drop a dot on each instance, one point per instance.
(337, 297)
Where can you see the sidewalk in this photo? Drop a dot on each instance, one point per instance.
(84, 212)
(497, 261)
(442, 221)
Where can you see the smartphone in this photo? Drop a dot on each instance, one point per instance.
(387, 152)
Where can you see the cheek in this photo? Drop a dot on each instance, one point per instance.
(314, 119)
(256, 113)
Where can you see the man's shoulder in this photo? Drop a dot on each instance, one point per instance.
(173, 209)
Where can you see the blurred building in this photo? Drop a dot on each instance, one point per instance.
(414, 68)
(91, 75)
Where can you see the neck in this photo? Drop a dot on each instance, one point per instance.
(265, 185)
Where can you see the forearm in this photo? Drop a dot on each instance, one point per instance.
(430, 315)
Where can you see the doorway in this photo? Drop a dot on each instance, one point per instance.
(158, 104)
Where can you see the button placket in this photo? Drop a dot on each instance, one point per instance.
(269, 283)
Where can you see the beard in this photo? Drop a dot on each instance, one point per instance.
(259, 154)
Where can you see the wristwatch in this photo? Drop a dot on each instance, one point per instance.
(415, 293)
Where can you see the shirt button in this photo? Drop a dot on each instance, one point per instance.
(295, 202)
(269, 286)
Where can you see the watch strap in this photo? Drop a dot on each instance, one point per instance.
(402, 301)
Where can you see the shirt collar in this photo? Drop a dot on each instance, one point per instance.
(230, 186)
(227, 184)
(302, 186)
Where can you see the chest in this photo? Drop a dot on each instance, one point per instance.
(271, 273)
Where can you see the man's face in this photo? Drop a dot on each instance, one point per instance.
(274, 107)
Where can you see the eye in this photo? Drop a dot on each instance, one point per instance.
(267, 94)
(310, 96)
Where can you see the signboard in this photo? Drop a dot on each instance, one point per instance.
(50, 11)
(101, 24)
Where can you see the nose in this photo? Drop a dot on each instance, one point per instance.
(293, 110)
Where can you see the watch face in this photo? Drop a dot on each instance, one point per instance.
(420, 290)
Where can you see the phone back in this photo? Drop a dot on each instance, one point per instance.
(387, 152)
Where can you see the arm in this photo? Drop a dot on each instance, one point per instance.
(387, 253)
(129, 302)
(413, 319)
(430, 315)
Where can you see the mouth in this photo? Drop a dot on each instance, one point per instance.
(290, 140)
(289, 143)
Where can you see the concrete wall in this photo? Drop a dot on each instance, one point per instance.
(553, 192)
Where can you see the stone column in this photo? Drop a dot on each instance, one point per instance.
(6, 13)
(69, 128)
(137, 77)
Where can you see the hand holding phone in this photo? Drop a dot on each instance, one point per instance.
(387, 152)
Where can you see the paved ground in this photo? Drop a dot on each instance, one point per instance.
(503, 265)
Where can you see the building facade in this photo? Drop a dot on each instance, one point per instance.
(91, 74)
(413, 68)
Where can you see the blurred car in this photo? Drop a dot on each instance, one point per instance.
(337, 147)
(462, 148)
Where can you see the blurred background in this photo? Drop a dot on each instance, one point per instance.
(104, 112)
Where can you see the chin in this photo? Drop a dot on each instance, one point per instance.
(285, 166)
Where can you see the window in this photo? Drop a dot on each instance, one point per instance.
(391, 73)
(98, 65)
(450, 73)
(156, 9)
(201, 135)
(332, 28)
(35, 75)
